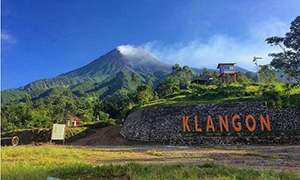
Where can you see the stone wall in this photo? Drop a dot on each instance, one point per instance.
(165, 124)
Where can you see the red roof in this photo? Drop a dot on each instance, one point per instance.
(72, 117)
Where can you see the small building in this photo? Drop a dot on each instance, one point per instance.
(72, 120)
(199, 80)
(229, 69)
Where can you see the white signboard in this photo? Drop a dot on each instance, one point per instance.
(58, 132)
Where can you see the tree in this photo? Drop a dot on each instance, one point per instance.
(252, 76)
(167, 87)
(143, 93)
(241, 78)
(288, 61)
(186, 69)
(266, 74)
(176, 68)
(205, 73)
(136, 79)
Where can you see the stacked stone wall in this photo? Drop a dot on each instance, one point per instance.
(165, 124)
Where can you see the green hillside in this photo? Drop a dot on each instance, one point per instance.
(277, 95)
(127, 91)
(40, 88)
(126, 80)
(102, 77)
(80, 87)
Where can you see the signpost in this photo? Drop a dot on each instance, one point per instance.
(58, 132)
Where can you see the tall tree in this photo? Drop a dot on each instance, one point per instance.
(266, 74)
(288, 61)
(176, 68)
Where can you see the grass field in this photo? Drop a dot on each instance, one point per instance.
(65, 162)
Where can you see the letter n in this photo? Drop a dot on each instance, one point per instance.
(185, 121)
(223, 123)
(264, 123)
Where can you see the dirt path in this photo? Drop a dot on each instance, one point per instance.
(278, 158)
(107, 136)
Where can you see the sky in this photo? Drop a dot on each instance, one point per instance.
(43, 39)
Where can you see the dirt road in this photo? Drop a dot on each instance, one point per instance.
(108, 136)
(278, 158)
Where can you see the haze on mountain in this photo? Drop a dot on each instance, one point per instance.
(114, 71)
(123, 58)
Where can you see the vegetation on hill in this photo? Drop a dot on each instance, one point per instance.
(132, 91)
(44, 112)
(277, 95)
(86, 87)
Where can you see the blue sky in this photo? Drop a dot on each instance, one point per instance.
(42, 39)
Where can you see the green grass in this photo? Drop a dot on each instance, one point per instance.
(180, 100)
(39, 162)
(138, 171)
(280, 93)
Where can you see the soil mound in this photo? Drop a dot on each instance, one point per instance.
(107, 136)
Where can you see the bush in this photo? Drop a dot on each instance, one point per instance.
(251, 90)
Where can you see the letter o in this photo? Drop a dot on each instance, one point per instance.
(253, 121)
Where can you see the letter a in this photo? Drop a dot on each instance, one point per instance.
(210, 124)
(185, 124)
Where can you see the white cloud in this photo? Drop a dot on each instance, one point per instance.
(7, 39)
(128, 50)
(221, 48)
(135, 54)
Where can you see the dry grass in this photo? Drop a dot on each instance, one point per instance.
(38, 162)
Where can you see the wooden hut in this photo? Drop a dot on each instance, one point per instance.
(199, 80)
(229, 69)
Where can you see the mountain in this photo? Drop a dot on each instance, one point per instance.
(101, 77)
(119, 60)
(121, 68)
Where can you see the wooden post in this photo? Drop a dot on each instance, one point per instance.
(234, 77)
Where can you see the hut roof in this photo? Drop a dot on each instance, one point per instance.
(199, 79)
(72, 116)
(224, 64)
